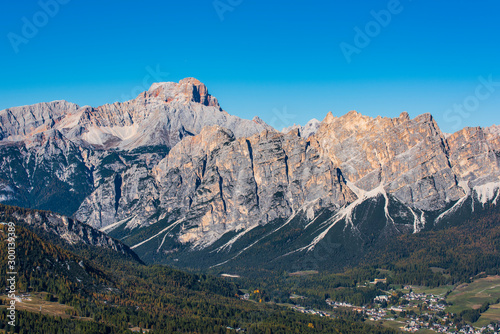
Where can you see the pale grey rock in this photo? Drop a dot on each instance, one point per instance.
(474, 155)
(163, 115)
(217, 183)
(305, 131)
(19, 123)
(71, 231)
(172, 155)
(493, 130)
(408, 157)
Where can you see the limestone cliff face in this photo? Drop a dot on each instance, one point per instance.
(163, 115)
(20, 123)
(474, 155)
(58, 150)
(214, 183)
(408, 157)
(187, 90)
(218, 183)
(305, 131)
(172, 165)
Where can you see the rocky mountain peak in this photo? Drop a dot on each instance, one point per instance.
(187, 90)
(305, 131)
(19, 122)
(172, 157)
(494, 129)
(404, 116)
(161, 116)
(208, 139)
(329, 118)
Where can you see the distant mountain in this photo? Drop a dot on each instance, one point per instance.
(182, 182)
(52, 153)
(305, 131)
(68, 233)
(163, 115)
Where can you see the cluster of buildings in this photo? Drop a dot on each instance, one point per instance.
(433, 318)
(414, 324)
(433, 302)
(335, 304)
(444, 325)
(372, 313)
(23, 297)
(432, 315)
(375, 314)
(302, 309)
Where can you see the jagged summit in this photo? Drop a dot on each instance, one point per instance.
(304, 131)
(162, 115)
(187, 90)
(212, 181)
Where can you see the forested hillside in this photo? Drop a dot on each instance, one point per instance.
(117, 295)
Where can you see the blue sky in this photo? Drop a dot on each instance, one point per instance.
(284, 61)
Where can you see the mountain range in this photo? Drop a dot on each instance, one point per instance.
(181, 181)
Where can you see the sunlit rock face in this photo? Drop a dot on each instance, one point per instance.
(174, 159)
(220, 183)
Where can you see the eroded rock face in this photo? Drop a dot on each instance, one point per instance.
(215, 183)
(54, 154)
(163, 115)
(218, 183)
(474, 155)
(305, 131)
(172, 156)
(408, 157)
(20, 123)
(70, 231)
(187, 90)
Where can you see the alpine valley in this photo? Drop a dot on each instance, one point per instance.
(182, 182)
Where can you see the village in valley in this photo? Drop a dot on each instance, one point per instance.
(424, 310)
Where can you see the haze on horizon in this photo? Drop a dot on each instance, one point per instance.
(285, 62)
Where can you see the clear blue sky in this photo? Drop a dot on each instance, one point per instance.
(280, 60)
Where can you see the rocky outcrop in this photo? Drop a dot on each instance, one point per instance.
(215, 183)
(409, 157)
(305, 131)
(219, 183)
(47, 171)
(20, 123)
(70, 231)
(187, 90)
(163, 115)
(55, 151)
(474, 155)
(171, 169)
